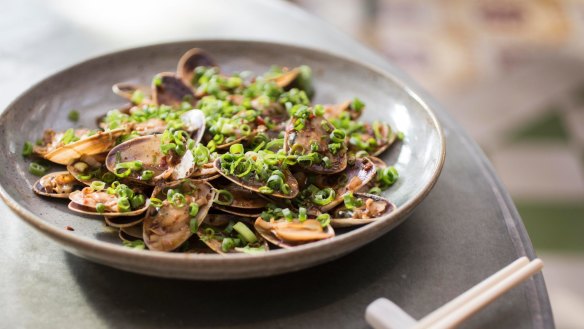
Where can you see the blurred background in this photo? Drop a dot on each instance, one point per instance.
(511, 73)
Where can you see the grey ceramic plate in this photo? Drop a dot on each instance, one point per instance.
(87, 88)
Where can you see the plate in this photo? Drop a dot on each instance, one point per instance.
(86, 87)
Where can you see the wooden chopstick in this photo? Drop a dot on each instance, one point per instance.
(484, 296)
(471, 293)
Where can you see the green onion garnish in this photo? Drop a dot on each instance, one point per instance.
(36, 169)
(324, 196)
(245, 232)
(193, 225)
(137, 201)
(302, 216)
(27, 149)
(124, 204)
(146, 175)
(223, 197)
(155, 202)
(100, 208)
(193, 209)
(73, 116)
(97, 185)
(324, 219)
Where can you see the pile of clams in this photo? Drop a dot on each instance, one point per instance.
(207, 161)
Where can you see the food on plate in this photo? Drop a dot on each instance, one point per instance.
(208, 161)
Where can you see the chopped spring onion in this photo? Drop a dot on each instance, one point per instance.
(193, 209)
(245, 232)
(236, 149)
(324, 196)
(27, 149)
(302, 216)
(351, 202)
(97, 185)
(136, 244)
(324, 219)
(357, 104)
(193, 225)
(265, 190)
(147, 175)
(338, 136)
(108, 177)
(73, 116)
(223, 197)
(155, 202)
(227, 244)
(100, 208)
(36, 169)
(137, 201)
(124, 204)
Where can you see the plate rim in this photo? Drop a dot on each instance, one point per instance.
(107, 249)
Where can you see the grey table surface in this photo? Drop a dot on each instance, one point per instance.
(466, 229)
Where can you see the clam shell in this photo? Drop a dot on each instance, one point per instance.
(39, 188)
(94, 162)
(188, 62)
(242, 212)
(171, 90)
(79, 208)
(242, 197)
(313, 131)
(337, 221)
(353, 178)
(254, 186)
(332, 111)
(123, 221)
(168, 233)
(99, 143)
(327, 233)
(127, 89)
(286, 79)
(379, 164)
(131, 233)
(215, 244)
(145, 149)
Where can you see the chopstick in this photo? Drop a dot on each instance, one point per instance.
(384, 314)
(473, 292)
(474, 304)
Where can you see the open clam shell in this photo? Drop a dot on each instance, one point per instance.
(215, 241)
(254, 185)
(98, 143)
(57, 185)
(287, 234)
(379, 165)
(316, 131)
(206, 172)
(188, 62)
(243, 212)
(372, 209)
(384, 137)
(194, 124)
(123, 221)
(86, 200)
(128, 90)
(145, 149)
(88, 168)
(357, 174)
(242, 197)
(333, 111)
(131, 233)
(169, 90)
(168, 227)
